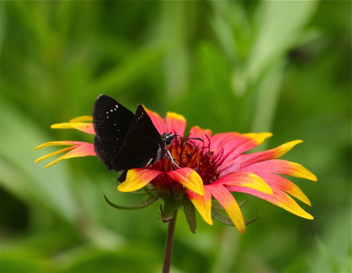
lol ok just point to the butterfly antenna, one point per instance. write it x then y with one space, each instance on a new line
196 138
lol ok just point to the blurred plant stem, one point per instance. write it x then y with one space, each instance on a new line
268 93
227 251
168 244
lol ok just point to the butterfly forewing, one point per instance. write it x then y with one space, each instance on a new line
143 125
111 121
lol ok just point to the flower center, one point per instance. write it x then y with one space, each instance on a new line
186 154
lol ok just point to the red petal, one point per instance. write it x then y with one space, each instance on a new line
233 144
175 123
189 178
79 149
283 184
278 198
156 119
245 179
84 149
204 134
248 159
280 166
228 202
202 204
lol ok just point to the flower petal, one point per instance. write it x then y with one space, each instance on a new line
278 198
79 149
230 145
77 123
175 123
55 143
245 179
258 138
137 179
82 118
280 166
228 202
53 153
204 134
202 204
283 184
189 178
156 119
248 159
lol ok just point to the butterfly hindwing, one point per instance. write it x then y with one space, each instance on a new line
111 121
135 153
143 144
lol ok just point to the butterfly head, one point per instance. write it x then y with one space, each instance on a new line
167 138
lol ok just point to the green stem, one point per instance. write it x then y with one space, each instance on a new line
168 244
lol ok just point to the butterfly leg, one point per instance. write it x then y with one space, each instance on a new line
150 161
169 156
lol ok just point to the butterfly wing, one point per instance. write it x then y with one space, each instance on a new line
143 144
111 121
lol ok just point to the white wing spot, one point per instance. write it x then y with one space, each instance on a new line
117 106
114 124
107 116
107 112
111 110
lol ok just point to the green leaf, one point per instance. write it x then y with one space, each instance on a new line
218 216
217 206
250 221
190 213
144 204
169 209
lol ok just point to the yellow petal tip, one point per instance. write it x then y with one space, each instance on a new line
302 172
284 148
258 137
82 118
175 116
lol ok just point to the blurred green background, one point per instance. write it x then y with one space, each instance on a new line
252 66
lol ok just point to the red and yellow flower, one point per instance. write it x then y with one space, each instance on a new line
206 171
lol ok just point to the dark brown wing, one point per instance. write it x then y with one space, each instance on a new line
143 143
111 121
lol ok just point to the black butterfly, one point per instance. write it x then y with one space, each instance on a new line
125 140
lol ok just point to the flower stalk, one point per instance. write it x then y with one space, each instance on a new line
169 243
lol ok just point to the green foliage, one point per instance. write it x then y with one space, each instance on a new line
279 66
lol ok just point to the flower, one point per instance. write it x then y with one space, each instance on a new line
205 171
